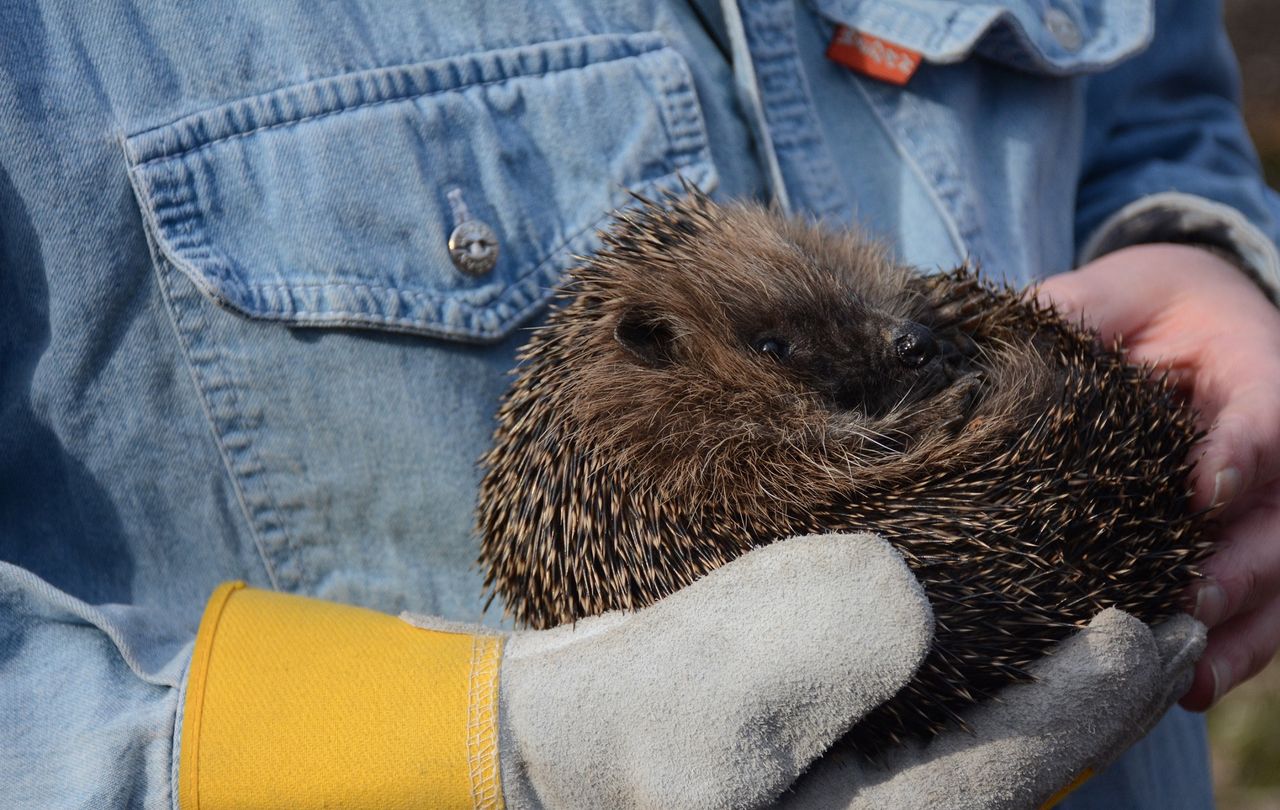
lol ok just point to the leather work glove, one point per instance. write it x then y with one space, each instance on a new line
719 695
1097 694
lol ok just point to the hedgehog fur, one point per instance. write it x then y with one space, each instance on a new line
719 378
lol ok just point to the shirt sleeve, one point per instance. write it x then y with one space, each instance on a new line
1167 157
277 700
89 697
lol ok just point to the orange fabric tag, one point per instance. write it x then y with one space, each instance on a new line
873 56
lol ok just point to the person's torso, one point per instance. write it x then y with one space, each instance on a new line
233 341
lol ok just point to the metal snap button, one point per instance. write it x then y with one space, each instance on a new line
473 246
1063 29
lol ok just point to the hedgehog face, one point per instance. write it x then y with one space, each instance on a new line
771 315
729 349
866 361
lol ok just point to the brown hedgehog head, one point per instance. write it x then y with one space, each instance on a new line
764 314
726 344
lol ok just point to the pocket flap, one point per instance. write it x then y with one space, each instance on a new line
332 202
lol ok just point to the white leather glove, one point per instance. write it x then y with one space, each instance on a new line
719 695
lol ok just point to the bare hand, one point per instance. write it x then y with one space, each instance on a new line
1188 310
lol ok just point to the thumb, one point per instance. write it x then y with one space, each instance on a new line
1098 295
721 694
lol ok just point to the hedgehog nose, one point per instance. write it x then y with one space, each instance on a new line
914 344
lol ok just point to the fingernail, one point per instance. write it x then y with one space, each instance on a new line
1226 486
1221 672
1211 604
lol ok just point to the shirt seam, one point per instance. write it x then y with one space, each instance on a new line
158 260
408 97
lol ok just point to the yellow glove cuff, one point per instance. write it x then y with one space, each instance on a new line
299 703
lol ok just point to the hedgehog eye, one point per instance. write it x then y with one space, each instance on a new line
776 347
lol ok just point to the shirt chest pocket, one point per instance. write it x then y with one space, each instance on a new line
1046 37
336 202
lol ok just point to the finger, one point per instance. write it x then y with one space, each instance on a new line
1152 337
1180 640
1242 448
1101 292
1076 297
1237 651
1244 570
1089 700
1115 661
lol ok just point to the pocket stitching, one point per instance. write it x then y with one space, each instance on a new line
640 45
394 100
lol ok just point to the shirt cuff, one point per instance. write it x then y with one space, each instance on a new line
297 702
1173 216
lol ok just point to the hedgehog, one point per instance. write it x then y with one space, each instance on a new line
717 378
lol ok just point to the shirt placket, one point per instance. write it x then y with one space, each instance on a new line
776 96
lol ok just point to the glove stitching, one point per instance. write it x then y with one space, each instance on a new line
482 723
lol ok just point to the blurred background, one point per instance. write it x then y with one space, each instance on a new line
1254 26
1245 727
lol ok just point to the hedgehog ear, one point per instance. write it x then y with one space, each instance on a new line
647 335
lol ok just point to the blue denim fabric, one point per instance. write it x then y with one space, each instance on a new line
233 345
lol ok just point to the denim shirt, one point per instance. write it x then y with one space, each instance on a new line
234 345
